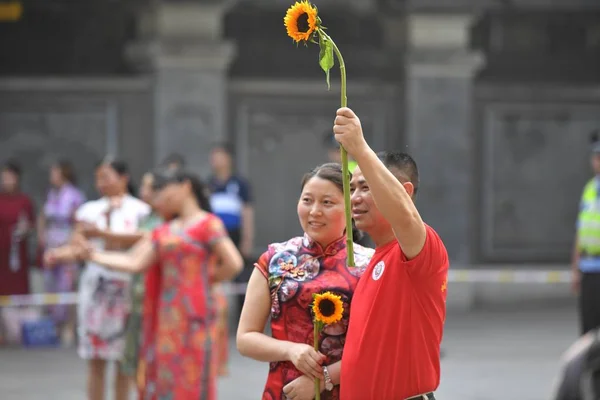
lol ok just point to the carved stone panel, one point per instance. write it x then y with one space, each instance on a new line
36 136
190 115
534 163
81 120
439 114
278 139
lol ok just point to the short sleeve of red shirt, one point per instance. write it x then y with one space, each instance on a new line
263 264
433 258
214 230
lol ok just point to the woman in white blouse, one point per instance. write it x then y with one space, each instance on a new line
110 223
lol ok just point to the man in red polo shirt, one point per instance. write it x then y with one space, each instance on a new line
392 349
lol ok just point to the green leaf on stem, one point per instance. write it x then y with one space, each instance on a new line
326 60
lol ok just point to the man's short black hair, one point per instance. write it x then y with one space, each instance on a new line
227 147
405 165
174 158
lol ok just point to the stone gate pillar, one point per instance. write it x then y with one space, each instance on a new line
188 59
439 77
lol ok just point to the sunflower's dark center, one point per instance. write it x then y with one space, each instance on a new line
326 307
303 23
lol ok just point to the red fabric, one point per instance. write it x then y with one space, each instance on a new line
295 270
392 348
11 207
178 357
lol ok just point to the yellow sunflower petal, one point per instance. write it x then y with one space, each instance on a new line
328 308
292 17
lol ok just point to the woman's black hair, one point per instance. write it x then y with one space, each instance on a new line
14 167
331 172
163 177
122 169
66 170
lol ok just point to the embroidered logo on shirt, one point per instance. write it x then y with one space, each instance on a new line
378 270
445 285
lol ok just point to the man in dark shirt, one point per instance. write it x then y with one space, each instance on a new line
231 200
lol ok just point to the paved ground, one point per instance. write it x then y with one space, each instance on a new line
491 355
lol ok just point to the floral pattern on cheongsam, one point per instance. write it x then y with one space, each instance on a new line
295 270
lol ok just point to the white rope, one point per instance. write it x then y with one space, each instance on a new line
460 276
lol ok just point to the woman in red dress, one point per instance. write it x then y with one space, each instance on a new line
16 221
178 359
282 285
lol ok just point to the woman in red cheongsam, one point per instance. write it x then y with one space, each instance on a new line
16 221
282 285
178 356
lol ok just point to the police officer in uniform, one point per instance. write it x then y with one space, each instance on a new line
586 252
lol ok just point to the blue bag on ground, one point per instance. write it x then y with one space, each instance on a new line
39 333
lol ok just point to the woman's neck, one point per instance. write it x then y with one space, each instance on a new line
189 210
325 245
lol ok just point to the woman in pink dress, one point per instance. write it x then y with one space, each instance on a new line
16 221
178 357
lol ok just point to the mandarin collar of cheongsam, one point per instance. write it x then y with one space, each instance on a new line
333 248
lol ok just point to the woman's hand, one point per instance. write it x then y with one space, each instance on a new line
50 258
306 360
301 388
89 230
81 247
70 253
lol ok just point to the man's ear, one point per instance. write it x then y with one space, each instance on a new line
409 187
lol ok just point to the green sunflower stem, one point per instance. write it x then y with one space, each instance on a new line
344 156
316 334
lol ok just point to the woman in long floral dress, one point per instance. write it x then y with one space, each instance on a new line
178 358
282 284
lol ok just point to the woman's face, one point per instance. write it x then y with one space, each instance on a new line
169 200
56 176
109 182
10 181
321 211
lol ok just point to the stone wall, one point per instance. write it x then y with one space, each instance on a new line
82 120
531 165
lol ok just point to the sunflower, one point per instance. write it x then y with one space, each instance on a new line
301 21
328 308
